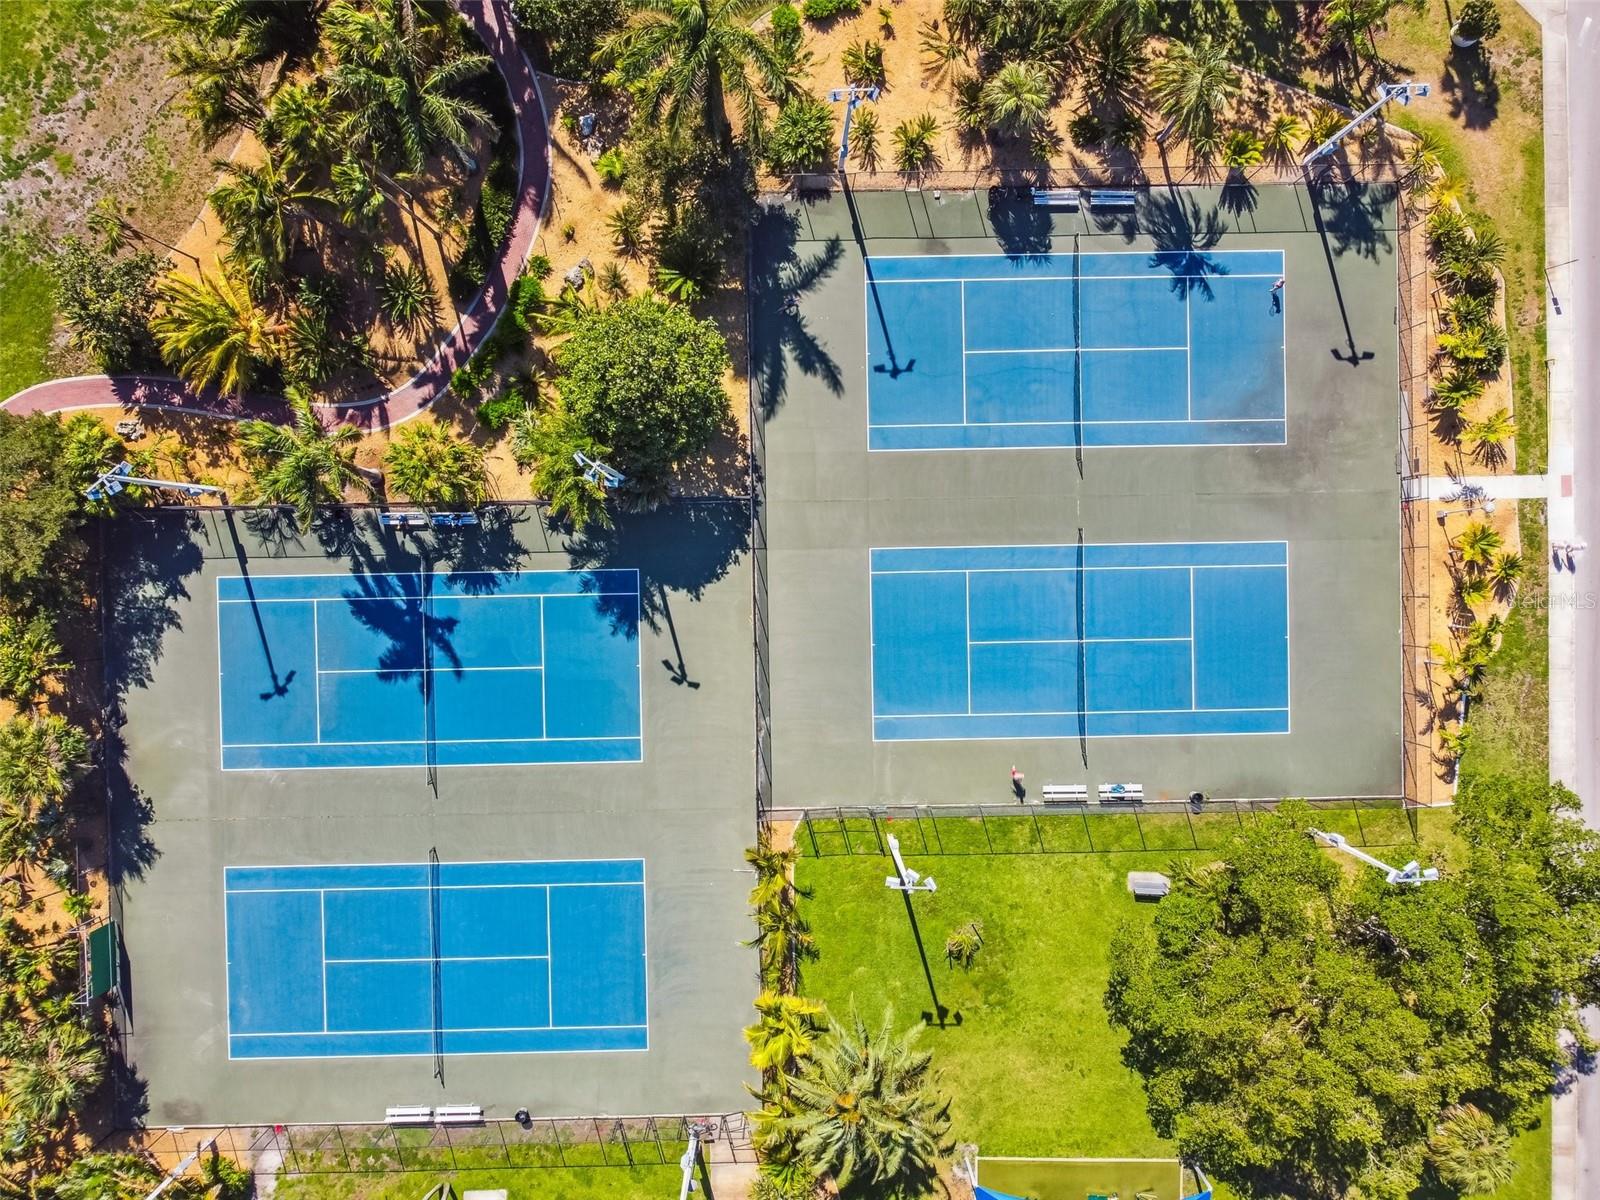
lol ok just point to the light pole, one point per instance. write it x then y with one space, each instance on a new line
596 471
1487 508
904 878
119 476
1413 873
1386 92
852 96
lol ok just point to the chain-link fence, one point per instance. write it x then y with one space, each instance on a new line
1075 828
1413 327
495 1144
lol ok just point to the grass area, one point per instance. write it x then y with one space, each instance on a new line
1511 724
1026 1051
27 313
1047 1180
581 1183
1531 1150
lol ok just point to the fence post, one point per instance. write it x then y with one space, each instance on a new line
1088 833
983 823
1139 825
1038 834
812 834
1355 807
878 830
844 830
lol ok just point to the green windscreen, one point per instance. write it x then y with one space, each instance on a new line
103 959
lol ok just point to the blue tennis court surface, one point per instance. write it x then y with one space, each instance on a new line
469 668
1069 641
1114 349
426 958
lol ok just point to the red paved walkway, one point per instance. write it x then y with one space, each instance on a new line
491 20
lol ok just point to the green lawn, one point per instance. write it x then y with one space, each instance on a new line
1532 1152
583 1183
1026 1051
27 310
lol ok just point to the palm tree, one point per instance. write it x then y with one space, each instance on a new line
262 209
1424 158
1017 97
1473 590
783 938
303 465
1489 436
1192 85
1456 389
107 1176
785 1032
1283 134
1464 668
1114 67
913 144
1478 543
1241 150
299 127
865 1106
1506 572
1482 639
41 757
772 870
212 332
435 468
546 439
685 60
396 101
405 294
1470 1151
222 84
357 193
52 1072
864 139
1469 264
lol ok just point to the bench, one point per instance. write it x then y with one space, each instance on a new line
1064 793
458 1114
454 519
409 1114
1111 198
1148 884
1056 198
1122 793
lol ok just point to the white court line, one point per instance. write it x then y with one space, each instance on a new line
442 887
964 353
1163 277
610 737
1070 570
1091 712
421 1029
872 258
1101 641
441 957
1078 350
1188 361
407 672
1130 421
322 916
549 960
544 702
401 599
966 584
1194 669
316 657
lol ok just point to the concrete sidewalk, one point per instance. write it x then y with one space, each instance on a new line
1494 487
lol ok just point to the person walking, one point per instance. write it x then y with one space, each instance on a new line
1277 295
1016 782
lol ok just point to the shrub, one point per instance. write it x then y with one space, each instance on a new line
1017 97
786 29
538 266
827 10
962 946
611 166
1241 149
863 63
802 137
433 466
497 412
644 378
405 294
463 383
972 114
29 653
106 302
627 225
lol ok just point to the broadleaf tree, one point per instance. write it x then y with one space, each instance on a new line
1304 1028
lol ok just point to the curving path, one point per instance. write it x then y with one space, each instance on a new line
491 20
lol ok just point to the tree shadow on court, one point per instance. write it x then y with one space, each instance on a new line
682 548
1022 227
147 560
1239 195
415 638
779 277
1351 216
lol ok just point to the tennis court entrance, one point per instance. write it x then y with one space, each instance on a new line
436 958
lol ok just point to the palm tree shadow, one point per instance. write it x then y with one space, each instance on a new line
683 547
779 277
416 638
1184 233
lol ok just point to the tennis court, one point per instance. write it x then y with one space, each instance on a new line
429 669
1080 641
436 958
1161 348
